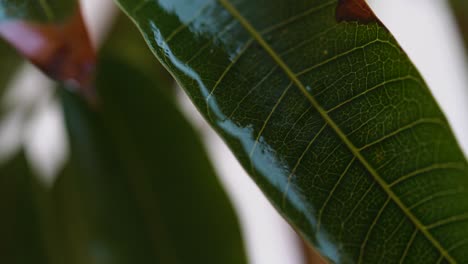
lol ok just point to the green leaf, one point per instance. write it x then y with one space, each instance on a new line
8 66
124 43
19 221
148 189
36 10
132 191
328 115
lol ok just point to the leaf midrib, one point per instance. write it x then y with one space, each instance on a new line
257 36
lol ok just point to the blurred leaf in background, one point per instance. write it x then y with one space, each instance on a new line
460 8
138 187
10 61
37 10
20 223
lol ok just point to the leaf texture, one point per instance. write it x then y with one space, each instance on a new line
330 118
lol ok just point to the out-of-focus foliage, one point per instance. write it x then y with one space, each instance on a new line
460 8
137 188
37 10
8 65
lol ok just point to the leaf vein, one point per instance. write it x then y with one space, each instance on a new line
422 121
293 171
380 85
371 228
435 196
226 71
269 117
297 17
319 217
251 91
450 220
408 246
338 56
255 34
433 167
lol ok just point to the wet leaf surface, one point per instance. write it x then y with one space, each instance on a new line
329 117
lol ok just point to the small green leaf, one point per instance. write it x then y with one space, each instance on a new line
328 115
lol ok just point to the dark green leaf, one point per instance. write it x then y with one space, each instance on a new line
328 115
8 66
138 187
146 184
125 43
36 10
19 228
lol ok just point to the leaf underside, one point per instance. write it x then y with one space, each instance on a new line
330 118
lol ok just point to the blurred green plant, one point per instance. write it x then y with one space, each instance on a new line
137 187
460 8
37 10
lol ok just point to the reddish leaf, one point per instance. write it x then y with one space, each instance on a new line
62 51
